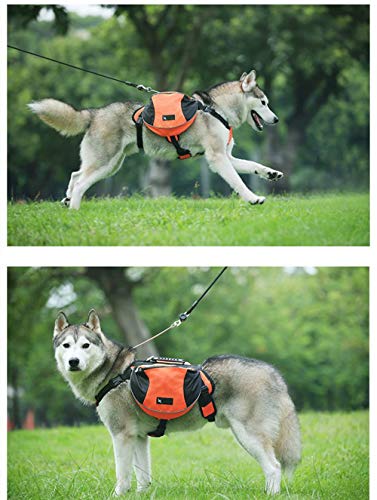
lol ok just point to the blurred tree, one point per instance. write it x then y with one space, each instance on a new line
310 48
118 286
21 17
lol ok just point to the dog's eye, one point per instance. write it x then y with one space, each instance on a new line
66 346
85 346
263 102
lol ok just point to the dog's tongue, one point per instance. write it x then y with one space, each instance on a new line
256 117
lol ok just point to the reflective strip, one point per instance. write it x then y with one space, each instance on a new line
207 409
230 136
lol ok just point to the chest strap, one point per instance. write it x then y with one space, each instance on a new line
113 384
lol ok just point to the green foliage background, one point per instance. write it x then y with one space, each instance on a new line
312 327
313 62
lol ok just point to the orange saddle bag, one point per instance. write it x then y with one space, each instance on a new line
168 390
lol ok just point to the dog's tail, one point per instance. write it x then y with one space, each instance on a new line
288 446
62 117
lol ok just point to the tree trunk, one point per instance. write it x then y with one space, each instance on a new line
282 154
205 179
118 290
158 178
16 417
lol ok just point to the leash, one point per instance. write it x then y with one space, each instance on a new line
183 316
125 82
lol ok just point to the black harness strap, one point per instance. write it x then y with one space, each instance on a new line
139 128
211 111
160 429
182 153
139 132
112 384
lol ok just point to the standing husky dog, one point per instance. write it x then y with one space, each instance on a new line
251 398
111 136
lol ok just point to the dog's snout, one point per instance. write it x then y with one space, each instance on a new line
74 362
276 119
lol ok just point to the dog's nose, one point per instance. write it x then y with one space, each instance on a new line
74 362
276 119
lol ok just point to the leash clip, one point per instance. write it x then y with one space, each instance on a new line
146 89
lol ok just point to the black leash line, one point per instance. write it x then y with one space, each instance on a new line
186 314
183 316
125 82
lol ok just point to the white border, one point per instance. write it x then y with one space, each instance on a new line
183 256
3 261
189 256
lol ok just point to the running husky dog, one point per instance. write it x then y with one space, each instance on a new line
250 395
110 136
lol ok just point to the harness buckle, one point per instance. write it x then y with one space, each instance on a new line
114 382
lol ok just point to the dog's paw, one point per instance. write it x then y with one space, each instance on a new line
143 487
65 201
274 175
121 489
259 200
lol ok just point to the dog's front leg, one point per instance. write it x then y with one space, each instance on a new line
220 163
124 448
252 167
142 464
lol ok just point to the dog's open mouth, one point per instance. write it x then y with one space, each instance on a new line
257 120
74 369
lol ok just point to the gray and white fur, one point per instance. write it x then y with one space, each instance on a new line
110 136
251 398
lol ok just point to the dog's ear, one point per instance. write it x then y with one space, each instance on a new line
93 321
249 81
61 323
242 77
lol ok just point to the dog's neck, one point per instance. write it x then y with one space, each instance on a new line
228 100
85 386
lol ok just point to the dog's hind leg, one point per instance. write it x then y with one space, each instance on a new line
142 464
124 448
74 177
90 175
260 447
251 167
220 163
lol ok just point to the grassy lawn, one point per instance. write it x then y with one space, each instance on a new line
78 463
328 219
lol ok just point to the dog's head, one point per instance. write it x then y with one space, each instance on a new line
79 349
258 111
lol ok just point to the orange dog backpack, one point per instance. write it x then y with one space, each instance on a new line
169 114
166 388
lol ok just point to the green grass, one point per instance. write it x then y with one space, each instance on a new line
327 219
68 463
